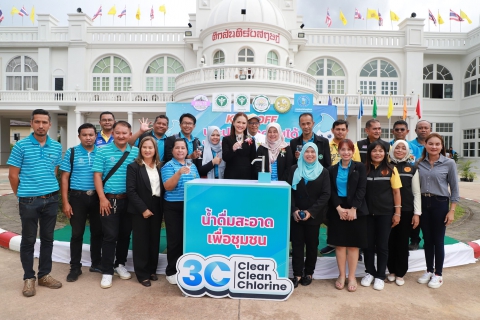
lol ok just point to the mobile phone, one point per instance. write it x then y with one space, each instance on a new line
301 214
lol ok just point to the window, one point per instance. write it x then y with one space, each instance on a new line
219 57
111 70
246 55
22 74
381 75
385 135
331 73
470 140
472 79
161 74
272 58
469 134
469 149
445 129
437 82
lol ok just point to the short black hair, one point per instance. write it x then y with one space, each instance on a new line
369 122
305 114
87 126
400 123
339 122
42 112
106 112
122 123
162 116
182 140
188 115
422 120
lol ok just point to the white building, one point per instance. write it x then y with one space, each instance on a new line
78 71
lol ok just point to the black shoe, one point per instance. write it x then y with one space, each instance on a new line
73 275
95 269
327 250
146 283
413 246
306 280
295 281
153 277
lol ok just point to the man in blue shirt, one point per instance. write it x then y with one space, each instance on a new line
33 167
105 136
400 132
160 126
187 124
80 200
116 221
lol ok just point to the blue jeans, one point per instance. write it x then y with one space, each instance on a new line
432 222
34 210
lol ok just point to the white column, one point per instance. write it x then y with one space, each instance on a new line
359 129
4 140
63 140
78 119
130 117
411 125
53 132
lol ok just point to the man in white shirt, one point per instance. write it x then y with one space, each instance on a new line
252 126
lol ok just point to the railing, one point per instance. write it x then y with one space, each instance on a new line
18 34
342 38
59 34
367 99
446 41
135 35
85 96
252 73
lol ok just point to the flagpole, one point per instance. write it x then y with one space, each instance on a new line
164 19
460 21
438 15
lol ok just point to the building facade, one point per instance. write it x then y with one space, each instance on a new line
79 70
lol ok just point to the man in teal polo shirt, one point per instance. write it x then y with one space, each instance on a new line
187 124
116 222
105 136
160 126
33 167
80 200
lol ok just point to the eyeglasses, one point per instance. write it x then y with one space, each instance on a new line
256 124
399 129
187 124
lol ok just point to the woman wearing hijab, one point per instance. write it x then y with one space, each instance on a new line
212 165
277 153
411 210
310 195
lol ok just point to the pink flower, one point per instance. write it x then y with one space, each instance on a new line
249 141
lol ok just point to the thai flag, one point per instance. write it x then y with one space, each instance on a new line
151 14
328 20
23 12
123 13
1 15
357 16
99 13
432 17
454 16
380 19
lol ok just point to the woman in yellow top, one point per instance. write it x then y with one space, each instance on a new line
384 206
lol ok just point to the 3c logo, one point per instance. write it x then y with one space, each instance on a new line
213 273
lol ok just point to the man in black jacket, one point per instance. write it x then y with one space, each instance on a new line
306 124
373 130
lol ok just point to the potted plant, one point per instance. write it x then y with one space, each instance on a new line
471 175
465 169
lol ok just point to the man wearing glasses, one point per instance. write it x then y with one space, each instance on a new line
400 132
187 124
252 126
104 137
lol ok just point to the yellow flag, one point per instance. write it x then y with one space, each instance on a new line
163 9
390 108
112 11
138 14
440 20
372 14
14 11
32 14
393 16
342 17
464 16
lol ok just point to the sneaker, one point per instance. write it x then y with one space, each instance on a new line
106 281
399 281
391 277
95 269
49 282
73 275
122 272
425 278
327 250
29 287
378 284
435 282
367 280
172 279
413 246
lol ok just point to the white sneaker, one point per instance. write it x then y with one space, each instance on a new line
399 281
435 282
378 284
172 279
425 278
106 281
367 280
391 277
122 272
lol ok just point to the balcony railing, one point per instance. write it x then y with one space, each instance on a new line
85 96
253 73
355 38
367 99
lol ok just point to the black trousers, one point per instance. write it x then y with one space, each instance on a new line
415 235
124 235
378 232
173 214
398 245
83 207
303 235
146 241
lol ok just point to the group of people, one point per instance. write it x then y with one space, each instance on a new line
370 194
